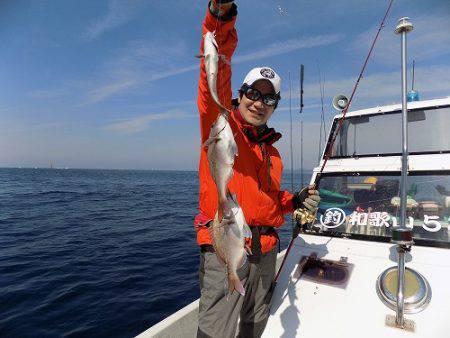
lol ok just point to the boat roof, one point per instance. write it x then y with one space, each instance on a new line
411 105
416 163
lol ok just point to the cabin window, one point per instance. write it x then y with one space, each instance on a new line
382 134
370 205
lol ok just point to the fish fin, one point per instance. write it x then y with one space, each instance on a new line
235 284
244 260
225 221
246 230
199 56
248 250
226 284
224 210
211 140
234 150
214 40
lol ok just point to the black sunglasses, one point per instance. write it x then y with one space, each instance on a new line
253 94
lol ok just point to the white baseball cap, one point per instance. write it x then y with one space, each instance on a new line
264 73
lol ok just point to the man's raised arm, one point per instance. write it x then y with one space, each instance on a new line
220 18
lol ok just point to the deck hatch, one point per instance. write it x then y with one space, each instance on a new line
323 271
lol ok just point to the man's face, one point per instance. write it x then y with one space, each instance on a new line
257 113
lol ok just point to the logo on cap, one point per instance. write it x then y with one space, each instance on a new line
267 73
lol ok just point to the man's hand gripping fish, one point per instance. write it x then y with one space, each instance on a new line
229 228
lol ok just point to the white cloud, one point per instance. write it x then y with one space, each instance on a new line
141 123
137 64
46 93
429 39
384 88
102 92
145 62
119 12
287 46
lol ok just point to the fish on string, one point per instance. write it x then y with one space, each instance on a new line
229 243
229 228
222 148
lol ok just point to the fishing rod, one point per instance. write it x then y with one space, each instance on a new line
330 144
292 151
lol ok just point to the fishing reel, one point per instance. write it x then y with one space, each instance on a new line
304 220
303 216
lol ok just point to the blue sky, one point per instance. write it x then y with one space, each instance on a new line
112 84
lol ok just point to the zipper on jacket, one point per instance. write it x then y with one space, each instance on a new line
264 155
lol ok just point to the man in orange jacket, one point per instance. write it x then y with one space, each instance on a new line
256 182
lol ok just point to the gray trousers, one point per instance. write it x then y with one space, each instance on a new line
218 316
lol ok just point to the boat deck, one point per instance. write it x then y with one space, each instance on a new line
304 308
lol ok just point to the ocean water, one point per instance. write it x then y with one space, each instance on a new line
96 253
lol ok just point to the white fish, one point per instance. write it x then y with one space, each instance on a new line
229 243
212 57
222 149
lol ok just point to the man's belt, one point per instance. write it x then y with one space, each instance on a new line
264 230
256 244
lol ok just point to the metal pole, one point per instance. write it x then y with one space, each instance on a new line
302 184
402 235
404 132
400 320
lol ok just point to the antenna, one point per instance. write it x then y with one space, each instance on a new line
302 70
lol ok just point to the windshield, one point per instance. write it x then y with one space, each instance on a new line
369 205
381 134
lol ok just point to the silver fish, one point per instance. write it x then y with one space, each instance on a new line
222 149
229 243
212 57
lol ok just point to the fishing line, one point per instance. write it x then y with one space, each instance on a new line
329 146
291 137
290 116
301 79
322 118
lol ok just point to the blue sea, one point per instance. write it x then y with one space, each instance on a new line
97 253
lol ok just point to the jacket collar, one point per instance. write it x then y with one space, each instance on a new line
262 134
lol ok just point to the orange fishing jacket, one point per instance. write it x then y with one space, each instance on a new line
258 166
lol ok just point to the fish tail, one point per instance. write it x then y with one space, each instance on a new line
235 284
